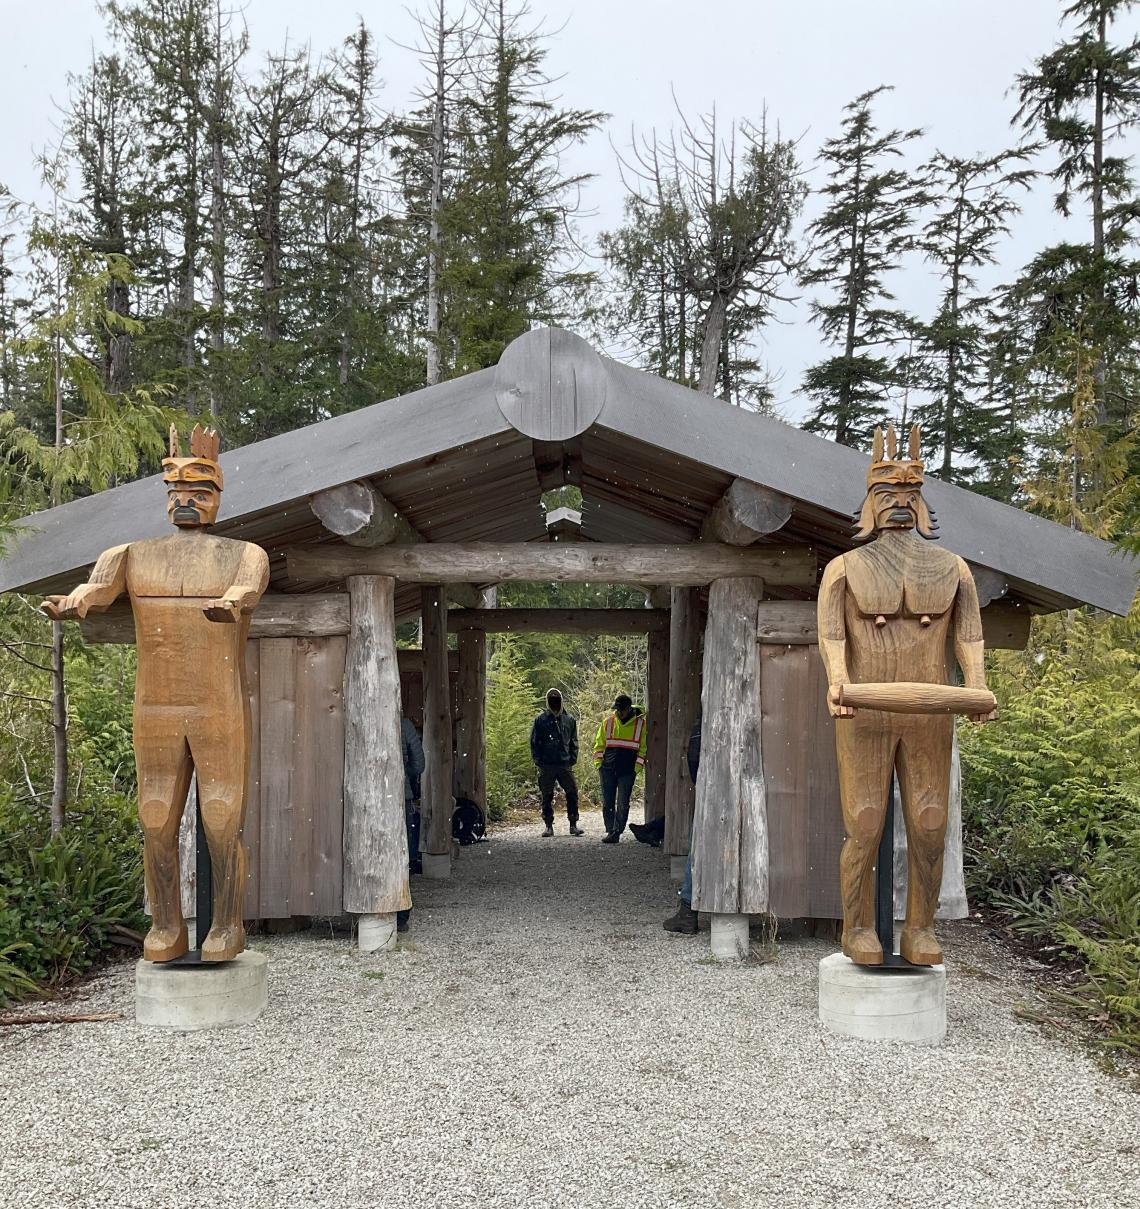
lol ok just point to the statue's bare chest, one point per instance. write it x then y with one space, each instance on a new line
904 579
202 565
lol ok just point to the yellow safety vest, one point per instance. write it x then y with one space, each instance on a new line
625 736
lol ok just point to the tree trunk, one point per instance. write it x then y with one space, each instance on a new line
436 202
710 346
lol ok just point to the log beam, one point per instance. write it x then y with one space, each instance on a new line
375 844
360 516
991 585
730 832
684 703
437 779
559 621
591 562
745 513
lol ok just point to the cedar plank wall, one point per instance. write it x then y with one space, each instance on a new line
294 813
805 824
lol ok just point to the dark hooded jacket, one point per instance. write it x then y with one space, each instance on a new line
554 737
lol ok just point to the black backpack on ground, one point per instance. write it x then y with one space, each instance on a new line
468 825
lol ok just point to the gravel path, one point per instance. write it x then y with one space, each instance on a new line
542 1042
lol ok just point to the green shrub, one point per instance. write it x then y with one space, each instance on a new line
1051 802
61 897
511 708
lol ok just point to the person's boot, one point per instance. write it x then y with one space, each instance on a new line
684 921
610 838
548 831
575 829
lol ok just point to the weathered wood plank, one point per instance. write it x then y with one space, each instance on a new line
278 726
1005 625
437 778
684 703
316 886
786 622
658 750
745 513
559 621
470 753
730 833
251 827
593 562
375 847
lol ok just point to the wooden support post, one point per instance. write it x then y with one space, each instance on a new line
684 702
730 833
375 842
657 755
471 775
437 779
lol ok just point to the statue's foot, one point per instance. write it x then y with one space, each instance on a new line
920 947
862 946
223 944
166 944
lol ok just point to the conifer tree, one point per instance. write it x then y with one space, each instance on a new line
508 250
1083 100
971 204
707 242
859 240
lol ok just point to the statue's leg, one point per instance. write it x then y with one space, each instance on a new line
924 785
865 748
221 765
164 770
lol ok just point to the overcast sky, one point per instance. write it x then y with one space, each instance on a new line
951 62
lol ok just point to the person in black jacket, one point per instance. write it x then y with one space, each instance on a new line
554 749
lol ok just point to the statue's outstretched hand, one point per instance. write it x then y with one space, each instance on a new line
65 608
834 708
222 609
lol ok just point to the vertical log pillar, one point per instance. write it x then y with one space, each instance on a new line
684 701
375 841
730 834
657 755
437 802
471 774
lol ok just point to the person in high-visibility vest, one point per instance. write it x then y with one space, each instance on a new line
619 751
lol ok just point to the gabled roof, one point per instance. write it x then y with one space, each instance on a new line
651 458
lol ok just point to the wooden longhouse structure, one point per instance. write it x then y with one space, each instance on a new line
427 501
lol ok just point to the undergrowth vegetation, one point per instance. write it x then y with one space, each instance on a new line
1051 798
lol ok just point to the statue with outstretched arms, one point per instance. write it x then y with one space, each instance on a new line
191 712
888 615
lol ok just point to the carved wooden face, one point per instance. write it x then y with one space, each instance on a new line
193 505
896 505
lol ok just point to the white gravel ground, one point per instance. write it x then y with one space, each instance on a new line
540 1041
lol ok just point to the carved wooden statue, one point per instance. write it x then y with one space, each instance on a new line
191 706
888 616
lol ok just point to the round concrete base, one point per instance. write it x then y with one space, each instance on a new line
209 995
436 865
882 1004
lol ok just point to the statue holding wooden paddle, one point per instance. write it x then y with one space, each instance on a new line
889 614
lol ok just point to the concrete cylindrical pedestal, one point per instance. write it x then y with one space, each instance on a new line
677 867
376 932
880 1004
729 936
436 865
206 995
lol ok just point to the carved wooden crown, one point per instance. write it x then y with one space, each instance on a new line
202 464
892 468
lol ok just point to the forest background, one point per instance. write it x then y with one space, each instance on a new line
265 241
